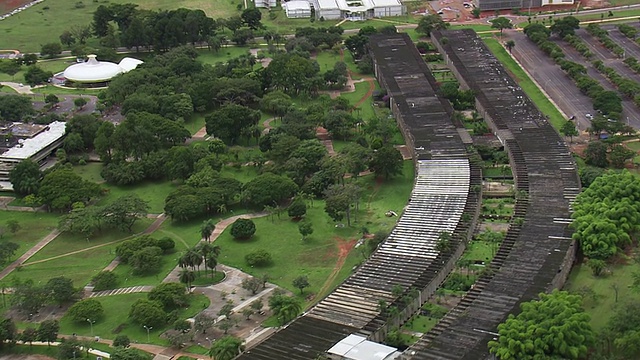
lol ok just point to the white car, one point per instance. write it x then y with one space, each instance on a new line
589 116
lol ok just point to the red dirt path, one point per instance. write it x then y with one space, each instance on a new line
8 5
344 248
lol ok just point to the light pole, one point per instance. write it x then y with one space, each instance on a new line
149 328
91 324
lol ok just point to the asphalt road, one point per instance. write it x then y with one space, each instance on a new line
552 79
604 54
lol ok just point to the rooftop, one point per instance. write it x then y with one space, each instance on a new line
93 70
28 147
355 347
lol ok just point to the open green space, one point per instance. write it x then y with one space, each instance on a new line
195 123
633 145
326 60
34 227
115 320
478 250
542 102
316 256
221 56
38 350
598 292
127 277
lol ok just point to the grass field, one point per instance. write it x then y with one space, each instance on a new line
34 227
316 256
601 306
115 321
127 278
223 55
633 145
529 87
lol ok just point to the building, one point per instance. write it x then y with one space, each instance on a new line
35 142
266 3
297 9
357 9
487 5
93 71
356 347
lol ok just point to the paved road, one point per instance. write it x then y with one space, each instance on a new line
609 58
629 46
552 79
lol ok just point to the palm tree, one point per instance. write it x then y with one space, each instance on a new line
510 45
207 229
226 348
212 263
187 277
207 251
185 261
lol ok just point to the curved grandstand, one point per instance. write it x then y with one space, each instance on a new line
408 257
537 253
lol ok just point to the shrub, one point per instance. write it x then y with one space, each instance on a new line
243 229
258 258
148 313
166 244
127 248
104 280
171 295
86 309
121 341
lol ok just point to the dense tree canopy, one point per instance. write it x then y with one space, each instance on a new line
25 177
606 213
268 189
15 107
555 326
62 187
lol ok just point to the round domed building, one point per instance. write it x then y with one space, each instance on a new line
96 73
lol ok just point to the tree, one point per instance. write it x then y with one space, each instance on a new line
247 312
125 211
430 23
560 325
301 282
10 67
569 129
252 284
48 331
86 309
202 322
187 277
80 102
444 242
13 226
171 295
285 308
297 209
69 349
62 187
104 280
121 341
251 18
27 297
276 102
67 39
206 229
608 102
15 107
226 348
258 258
36 76
501 23
25 177
619 155
387 162
597 266
268 189
305 229
146 260
596 154
51 49
29 335
230 121
565 26
7 250
148 313
60 289
8 332
243 229
51 100
510 44
81 32
122 353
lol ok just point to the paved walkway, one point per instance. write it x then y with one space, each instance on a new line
122 291
22 259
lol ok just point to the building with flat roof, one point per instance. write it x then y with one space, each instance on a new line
356 347
357 9
297 9
266 3
35 148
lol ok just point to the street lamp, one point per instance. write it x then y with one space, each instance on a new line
91 324
149 328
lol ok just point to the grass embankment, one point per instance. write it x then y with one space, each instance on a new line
542 102
33 228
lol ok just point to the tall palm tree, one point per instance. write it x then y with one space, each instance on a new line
208 251
187 277
207 229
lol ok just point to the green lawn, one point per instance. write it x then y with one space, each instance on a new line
316 256
602 306
195 123
34 227
50 89
29 29
365 110
634 145
127 278
90 171
529 87
327 59
115 321
154 192
480 251
221 56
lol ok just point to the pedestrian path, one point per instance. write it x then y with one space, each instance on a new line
22 259
122 291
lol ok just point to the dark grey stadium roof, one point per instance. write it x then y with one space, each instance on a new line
532 254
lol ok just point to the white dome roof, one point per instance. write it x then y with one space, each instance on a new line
92 71
127 64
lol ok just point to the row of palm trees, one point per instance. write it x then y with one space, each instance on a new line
206 254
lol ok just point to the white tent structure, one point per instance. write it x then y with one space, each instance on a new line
357 9
94 71
297 9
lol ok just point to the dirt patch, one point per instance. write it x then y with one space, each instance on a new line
8 5
344 248
499 227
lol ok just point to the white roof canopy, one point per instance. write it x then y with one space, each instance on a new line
93 70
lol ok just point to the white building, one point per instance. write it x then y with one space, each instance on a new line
94 71
265 3
36 148
357 9
355 347
297 9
